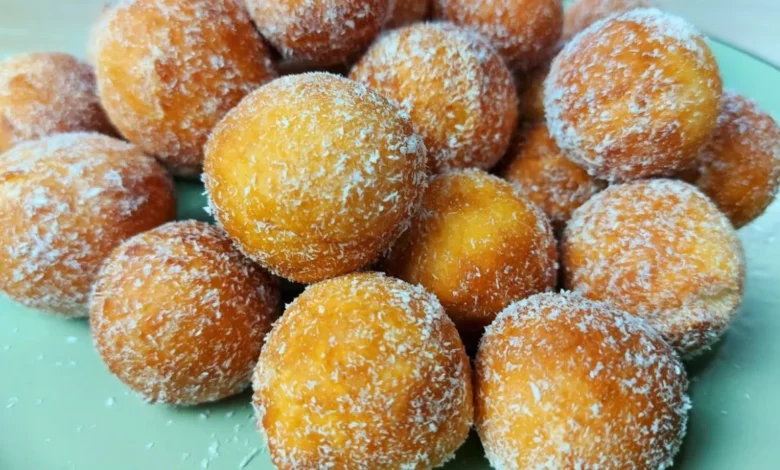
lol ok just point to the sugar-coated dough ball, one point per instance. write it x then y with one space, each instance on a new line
66 202
363 372
659 249
456 88
543 174
315 175
634 96
524 31
584 13
407 12
325 32
740 167
95 32
169 70
47 93
478 246
179 314
563 382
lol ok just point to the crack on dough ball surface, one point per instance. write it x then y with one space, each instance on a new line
457 90
478 245
315 175
66 202
659 249
363 372
179 314
633 96
564 382
47 93
169 70
523 31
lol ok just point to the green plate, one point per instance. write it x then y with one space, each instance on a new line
60 409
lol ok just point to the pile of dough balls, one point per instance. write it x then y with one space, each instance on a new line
555 191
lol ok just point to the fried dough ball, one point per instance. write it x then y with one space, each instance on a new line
324 32
66 202
169 70
315 175
543 174
659 249
407 12
478 246
740 167
523 31
564 382
363 372
634 96
95 33
47 93
584 13
457 90
179 315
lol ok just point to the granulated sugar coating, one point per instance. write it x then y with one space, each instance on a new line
47 93
659 249
740 167
314 175
456 88
169 70
407 12
478 245
95 32
633 96
563 382
179 315
584 13
363 372
543 174
325 32
66 202
524 31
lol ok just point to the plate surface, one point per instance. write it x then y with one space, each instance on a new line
60 409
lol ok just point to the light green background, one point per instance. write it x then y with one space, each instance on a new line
60 409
